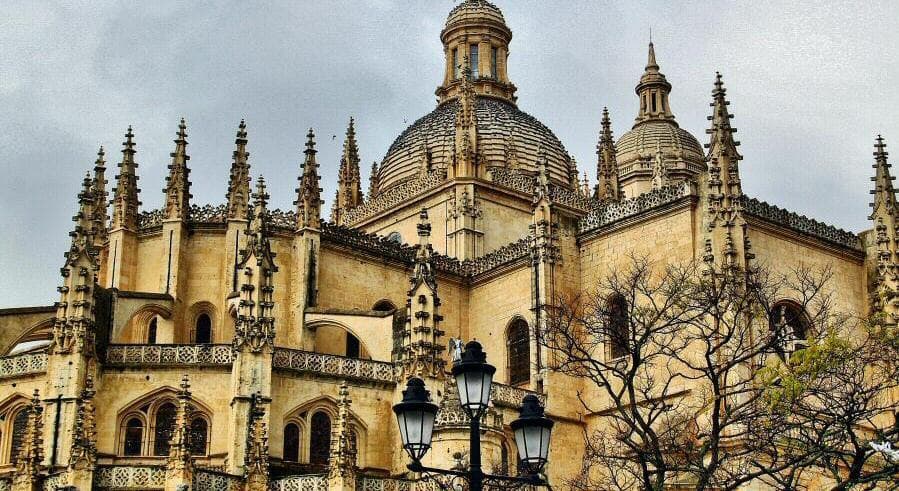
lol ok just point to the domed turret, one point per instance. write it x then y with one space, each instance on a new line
656 151
477 124
476 34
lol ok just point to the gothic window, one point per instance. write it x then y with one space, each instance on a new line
19 425
654 102
618 331
504 459
199 436
456 64
354 446
291 443
134 437
151 331
352 346
162 433
319 439
519 351
203 333
494 53
791 325
473 61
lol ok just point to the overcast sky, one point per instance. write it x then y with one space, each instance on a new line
810 84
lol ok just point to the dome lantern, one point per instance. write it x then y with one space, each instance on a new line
476 35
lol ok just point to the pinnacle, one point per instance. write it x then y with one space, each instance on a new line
241 132
651 61
100 157
880 148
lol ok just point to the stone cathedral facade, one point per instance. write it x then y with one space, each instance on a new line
235 346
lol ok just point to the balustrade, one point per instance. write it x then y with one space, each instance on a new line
23 364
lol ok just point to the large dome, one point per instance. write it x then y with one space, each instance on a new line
502 131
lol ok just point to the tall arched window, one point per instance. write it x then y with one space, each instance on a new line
291 443
519 351
134 437
165 425
199 436
354 446
319 439
792 325
352 346
503 459
618 331
203 333
19 424
151 331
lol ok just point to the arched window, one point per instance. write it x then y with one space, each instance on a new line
319 439
19 425
503 459
791 325
618 331
199 435
291 443
134 437
354 446
473 61
151 331
519 351
352 346
203 333
165 425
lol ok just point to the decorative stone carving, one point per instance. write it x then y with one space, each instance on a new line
334 366
22 364
393 196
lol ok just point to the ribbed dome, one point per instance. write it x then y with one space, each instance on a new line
474 10
502 129
647 138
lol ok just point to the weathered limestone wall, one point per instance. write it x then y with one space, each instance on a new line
18 322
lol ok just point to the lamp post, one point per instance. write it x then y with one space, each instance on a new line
474 379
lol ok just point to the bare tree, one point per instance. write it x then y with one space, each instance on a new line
679 364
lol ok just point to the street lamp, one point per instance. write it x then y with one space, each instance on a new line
474 380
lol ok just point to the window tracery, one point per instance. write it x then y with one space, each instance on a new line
519 352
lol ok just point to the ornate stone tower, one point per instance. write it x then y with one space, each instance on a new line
122 265
656 151
254 334
307 242
606 164
349 179
885 215
727 242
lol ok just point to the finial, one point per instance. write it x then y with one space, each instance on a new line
880 148
100 156
182 130
310 141
185 383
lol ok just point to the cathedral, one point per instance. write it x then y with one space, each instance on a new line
235 346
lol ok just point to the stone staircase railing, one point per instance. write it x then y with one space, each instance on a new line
22 364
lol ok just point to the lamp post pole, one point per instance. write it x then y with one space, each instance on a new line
474 380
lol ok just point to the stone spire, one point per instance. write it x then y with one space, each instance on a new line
74 322
239 181
349 179
421 341
309 202
606 164
727 241
125 200
342 462
101 206
574 175
30 454
653 90
255 326
885 215
373 186
84 432
177 188
179 463
466 136
257 470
